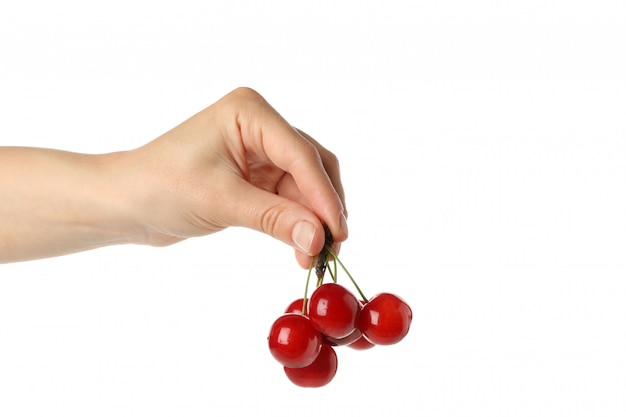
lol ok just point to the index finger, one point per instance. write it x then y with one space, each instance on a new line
293 151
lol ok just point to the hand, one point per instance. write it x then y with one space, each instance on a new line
236 163
239 163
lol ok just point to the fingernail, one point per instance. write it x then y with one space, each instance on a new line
302 235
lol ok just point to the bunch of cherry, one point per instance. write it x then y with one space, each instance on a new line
304 338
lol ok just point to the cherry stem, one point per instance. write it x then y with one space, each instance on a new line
335 257
306 287
333 274
320 278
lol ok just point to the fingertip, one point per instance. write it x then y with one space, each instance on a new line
343 228
340 229
303 260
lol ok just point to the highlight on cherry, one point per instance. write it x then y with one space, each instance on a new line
305 337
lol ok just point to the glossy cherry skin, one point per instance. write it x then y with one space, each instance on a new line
352 337
354 340
333 310
385 319
295 306
361 344
317 374
293 341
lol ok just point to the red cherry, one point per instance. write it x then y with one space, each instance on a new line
385 319
352 337
334 310
317 374
361 344
295 307
293 341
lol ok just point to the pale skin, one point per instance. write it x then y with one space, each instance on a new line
235 163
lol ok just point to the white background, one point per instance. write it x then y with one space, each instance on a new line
483 152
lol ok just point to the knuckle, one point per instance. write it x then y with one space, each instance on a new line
270 220
244 103
310 151
246 94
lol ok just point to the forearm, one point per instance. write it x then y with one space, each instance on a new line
54 203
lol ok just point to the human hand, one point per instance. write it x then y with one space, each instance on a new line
238 163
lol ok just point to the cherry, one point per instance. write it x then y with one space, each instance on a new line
358 342
361 344
347 340
333 310
317 374
304 337
295 306
385 319
293 341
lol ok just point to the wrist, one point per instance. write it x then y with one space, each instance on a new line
142 189
115 197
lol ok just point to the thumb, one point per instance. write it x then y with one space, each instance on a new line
284 219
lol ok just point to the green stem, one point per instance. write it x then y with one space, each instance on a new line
320 281
330 250
333 275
